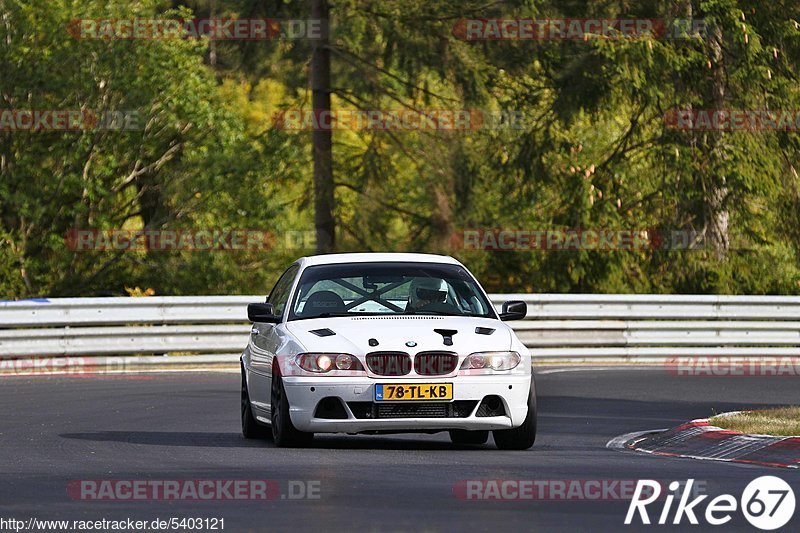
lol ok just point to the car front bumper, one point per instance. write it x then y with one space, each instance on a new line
305 394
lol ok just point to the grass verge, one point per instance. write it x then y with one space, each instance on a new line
783 421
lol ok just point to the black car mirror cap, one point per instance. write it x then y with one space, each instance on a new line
262 313
514 310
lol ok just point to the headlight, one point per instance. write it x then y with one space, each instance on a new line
325 362
491 361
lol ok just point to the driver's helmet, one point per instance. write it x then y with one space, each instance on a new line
425 291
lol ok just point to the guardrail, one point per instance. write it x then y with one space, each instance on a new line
557 326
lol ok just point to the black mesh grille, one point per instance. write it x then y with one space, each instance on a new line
426 410
361 409
491 406
389 363
456 409
435 363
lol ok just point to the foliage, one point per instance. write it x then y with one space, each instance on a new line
594 151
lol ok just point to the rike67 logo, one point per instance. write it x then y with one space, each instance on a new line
767 502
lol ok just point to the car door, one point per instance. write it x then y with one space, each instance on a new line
265 340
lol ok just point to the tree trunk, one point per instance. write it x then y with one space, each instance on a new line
321 139
708 213
715 215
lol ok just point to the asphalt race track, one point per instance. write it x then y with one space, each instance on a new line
167 426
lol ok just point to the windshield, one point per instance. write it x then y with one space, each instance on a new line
352 289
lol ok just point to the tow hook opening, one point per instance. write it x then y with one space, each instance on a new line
330 407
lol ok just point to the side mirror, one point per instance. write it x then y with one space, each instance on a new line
514 310
262 313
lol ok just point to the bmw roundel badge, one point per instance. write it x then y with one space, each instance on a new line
411 344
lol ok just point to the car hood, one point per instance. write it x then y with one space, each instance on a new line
352 334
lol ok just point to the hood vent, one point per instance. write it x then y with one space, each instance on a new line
447 335
324 332
484 331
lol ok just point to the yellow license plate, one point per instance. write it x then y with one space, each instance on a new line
413 391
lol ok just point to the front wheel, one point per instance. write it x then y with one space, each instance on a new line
284 434
522 437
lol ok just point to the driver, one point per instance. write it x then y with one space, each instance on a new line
425 291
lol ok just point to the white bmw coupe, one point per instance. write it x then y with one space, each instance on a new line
385 343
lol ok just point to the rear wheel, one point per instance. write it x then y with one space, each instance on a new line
522 437
284 433
251 428
463 436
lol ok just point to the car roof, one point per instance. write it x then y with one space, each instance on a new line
373 257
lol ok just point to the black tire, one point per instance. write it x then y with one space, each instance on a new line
284 434
463 436
251 428
522 437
